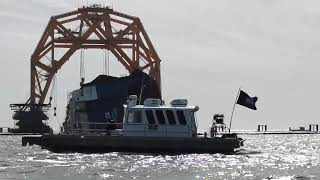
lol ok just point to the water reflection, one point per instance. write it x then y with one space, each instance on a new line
263 157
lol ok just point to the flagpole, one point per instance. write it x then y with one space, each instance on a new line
234 105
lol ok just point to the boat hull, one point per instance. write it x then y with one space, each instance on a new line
163 145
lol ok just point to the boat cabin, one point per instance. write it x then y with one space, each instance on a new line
157 120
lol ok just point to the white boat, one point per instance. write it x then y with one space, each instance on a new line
151 128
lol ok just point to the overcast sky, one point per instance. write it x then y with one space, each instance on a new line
208 50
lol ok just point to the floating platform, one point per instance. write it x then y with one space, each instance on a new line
104 143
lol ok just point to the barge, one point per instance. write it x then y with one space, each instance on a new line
149 128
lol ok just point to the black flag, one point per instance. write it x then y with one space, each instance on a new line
245 100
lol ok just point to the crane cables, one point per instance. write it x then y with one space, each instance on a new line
106 62
82 64
54 97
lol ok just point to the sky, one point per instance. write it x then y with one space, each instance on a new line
208 48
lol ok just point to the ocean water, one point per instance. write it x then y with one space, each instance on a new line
262 157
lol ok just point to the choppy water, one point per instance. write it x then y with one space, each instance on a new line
263 157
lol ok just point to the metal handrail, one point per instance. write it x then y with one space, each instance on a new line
97 123
145 125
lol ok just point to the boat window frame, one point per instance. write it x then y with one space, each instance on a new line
170 119
181 117
148 115
132 117
137 116
162 119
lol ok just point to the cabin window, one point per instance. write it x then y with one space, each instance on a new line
181 117
170 117
160 117
130 117
150 117
134 117
137 117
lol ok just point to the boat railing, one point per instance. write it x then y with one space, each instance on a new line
108 128
90 127
218 128
149 128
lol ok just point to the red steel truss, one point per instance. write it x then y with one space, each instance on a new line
90 28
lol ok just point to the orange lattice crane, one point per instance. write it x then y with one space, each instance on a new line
92 27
